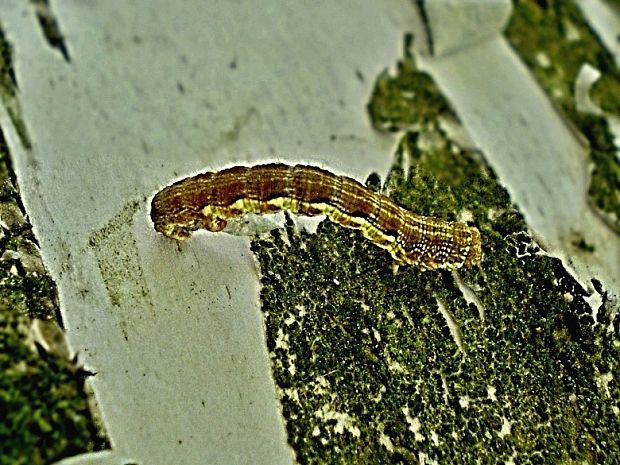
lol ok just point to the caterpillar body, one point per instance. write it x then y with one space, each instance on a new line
208 200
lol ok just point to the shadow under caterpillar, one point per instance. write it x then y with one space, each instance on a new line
209 200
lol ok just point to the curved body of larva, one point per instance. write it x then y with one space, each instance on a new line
209 200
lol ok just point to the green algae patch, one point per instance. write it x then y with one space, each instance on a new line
502 363
554 41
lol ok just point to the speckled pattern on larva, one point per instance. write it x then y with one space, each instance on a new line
209 200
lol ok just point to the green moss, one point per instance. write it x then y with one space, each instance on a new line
45 414
366 364
606 94
405 98
554 41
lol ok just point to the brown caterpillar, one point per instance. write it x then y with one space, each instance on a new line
209 200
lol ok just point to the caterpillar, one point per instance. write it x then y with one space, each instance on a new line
208 200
